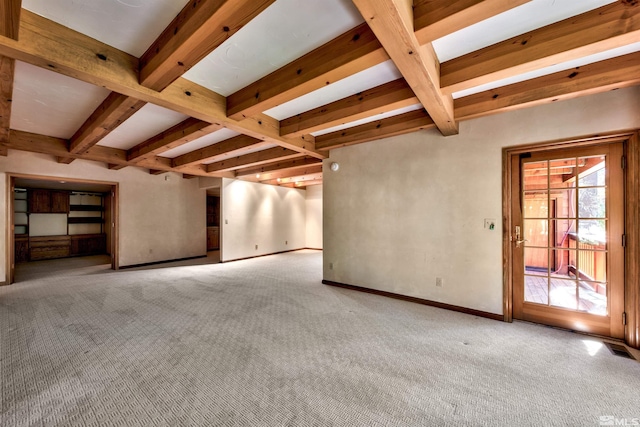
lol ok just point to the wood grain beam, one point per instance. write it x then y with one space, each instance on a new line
46 44
288 175
296 180
110 114
180 134
347 54
196 31
396 125
592 32
7 69
113 157
381 99
280 166
253 159
392 23
232 147
10 11
615 73
437 18
4 151
156 172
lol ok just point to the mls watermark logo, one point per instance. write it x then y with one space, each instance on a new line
610 420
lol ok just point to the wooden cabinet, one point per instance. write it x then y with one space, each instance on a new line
88 244
48 247
39 201
21 249
47 201
213 238
213 211
59 202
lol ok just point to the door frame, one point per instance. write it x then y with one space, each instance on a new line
631 140
10 240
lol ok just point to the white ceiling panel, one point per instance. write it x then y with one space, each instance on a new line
51 104
282 33
199 143
368 119
550 70
129 25
359 82
149 121
519 20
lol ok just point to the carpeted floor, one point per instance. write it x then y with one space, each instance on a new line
262 342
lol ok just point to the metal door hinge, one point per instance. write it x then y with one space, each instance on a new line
624 240
623 162
624 318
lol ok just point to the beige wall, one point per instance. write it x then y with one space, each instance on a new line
314 217
257 214
161 217
402 211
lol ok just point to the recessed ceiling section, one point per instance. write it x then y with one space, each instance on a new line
205 141
359 82
48 103
149 121
128 25
613 53
519 20
369 119
285 31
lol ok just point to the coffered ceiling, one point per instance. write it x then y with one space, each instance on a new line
262 90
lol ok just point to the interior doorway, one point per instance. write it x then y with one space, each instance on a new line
565 236
51 218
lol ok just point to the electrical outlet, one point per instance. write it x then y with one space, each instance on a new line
286 242
256 247
330 266
226 221
439 282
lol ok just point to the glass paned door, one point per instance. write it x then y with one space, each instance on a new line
568 253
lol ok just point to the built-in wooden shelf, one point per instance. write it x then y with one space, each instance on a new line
85 220
86 208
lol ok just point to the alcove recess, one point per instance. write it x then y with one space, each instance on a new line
58 224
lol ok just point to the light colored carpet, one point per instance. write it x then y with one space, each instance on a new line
262 342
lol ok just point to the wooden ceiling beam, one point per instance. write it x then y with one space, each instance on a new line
392 23
110 114
180 134
232 147
391 126
49 45
348 54
287 175
314 176
280 166
381 99
10 11
253 159
615 73
113 157
196 31
437 18
599 30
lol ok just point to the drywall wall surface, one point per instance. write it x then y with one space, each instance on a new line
406 210
162 217
259 219
314 217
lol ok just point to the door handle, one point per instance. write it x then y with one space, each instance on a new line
519 239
